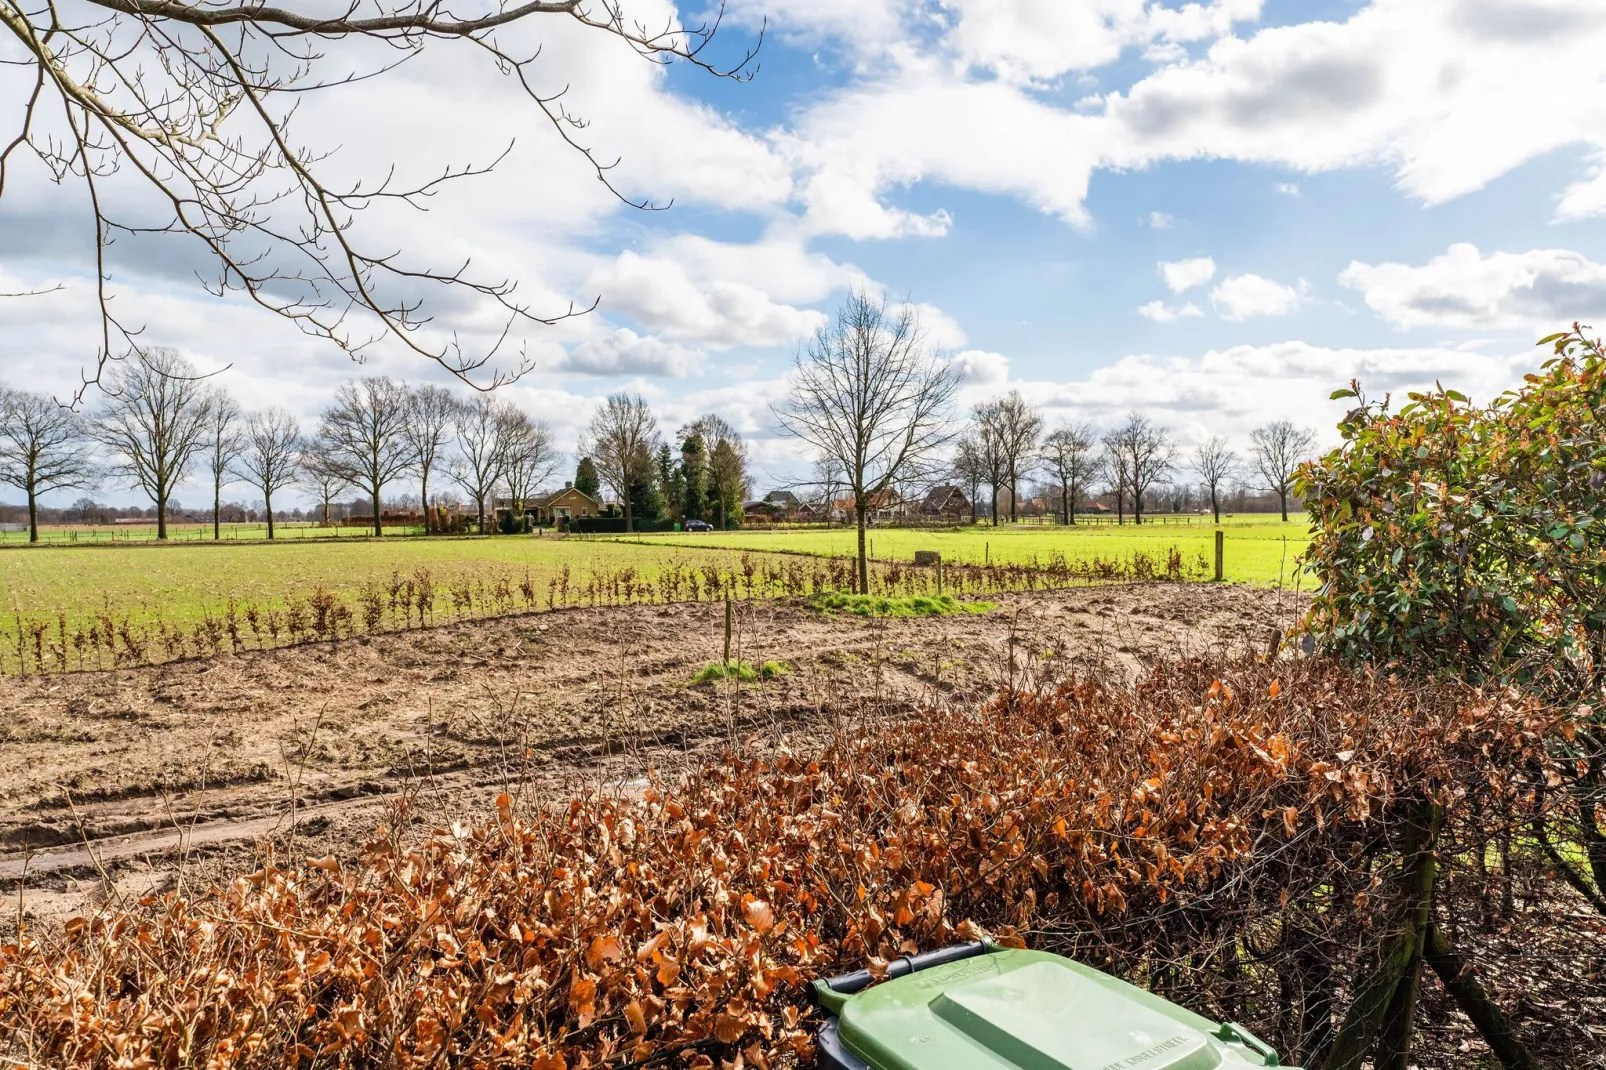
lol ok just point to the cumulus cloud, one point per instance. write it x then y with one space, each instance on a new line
623 352
1422 87
1465 289
1160 312
663 297
1240 297
982 368
1183 275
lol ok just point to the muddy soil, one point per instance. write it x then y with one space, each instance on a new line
116 783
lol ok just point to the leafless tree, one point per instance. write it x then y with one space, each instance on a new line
528 456
988 436
1070 453
431 412
727 463
154 423
867 393
223 445
1216 466
622 440
1016 427
1278 450
320 473
970 467
187 110
271 455
481 427
43 447
363 432
1143 456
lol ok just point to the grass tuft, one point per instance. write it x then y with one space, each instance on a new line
920 605
740 671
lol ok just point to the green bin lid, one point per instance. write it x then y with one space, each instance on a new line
1029 1010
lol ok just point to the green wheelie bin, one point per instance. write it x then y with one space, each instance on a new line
979 1006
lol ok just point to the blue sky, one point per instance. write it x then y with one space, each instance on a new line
1404 190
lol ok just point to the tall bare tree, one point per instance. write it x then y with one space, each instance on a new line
43 447
363 432
178 118
727 463
623 440
320 473
431 412
154 423
481 428
970 467
271 455
1278 450
867 393
224 442
987 433
1070 452
1016 428
1144 456
1216 465
529 456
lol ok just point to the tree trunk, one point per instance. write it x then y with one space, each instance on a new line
267 500
864 561
379 530
1013 497
1065 502
423 491
217 510
1282 496
33 515
1463 986
161 514
1383 1005
630 520
480 504
1215 506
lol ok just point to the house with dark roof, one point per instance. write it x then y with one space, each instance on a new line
946 502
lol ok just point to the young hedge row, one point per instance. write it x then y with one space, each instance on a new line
1160 831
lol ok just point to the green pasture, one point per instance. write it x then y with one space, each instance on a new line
1257 549
189 532
181 582
185 580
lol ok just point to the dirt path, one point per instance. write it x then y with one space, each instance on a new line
110 780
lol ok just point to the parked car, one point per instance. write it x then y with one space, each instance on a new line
699 525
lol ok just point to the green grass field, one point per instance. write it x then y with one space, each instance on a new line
1257 550
121 534
188 581
182 582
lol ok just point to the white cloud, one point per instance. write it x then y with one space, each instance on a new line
623 352
1230 391
1465 289
982 368
1160 221
1183 275
1240 297
1422 87
1288 189
663 297
1160 312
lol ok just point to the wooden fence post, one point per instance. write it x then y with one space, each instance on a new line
1221 537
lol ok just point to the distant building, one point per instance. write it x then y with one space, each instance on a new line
556 507
946 502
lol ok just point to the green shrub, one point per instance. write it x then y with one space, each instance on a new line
1449 536
920 605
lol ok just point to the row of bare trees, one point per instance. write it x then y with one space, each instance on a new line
161 423
1004 443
